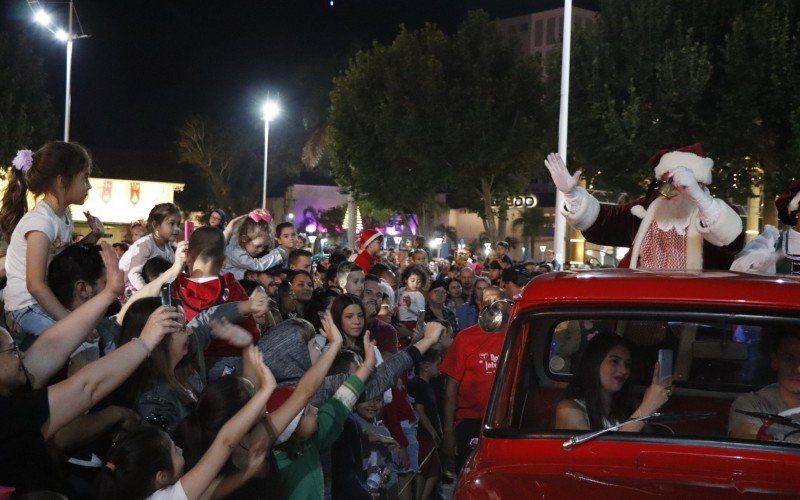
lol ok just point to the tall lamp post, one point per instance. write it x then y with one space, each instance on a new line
42 17
269 110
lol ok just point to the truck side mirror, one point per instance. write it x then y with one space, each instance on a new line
494 316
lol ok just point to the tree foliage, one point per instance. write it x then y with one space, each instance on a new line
656 74
461 114
27 119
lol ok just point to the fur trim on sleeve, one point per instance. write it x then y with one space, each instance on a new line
726 229
638 211
586 214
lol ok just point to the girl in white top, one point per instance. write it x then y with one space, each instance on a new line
147 464
164 224
59 172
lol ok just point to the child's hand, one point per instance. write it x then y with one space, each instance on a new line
406 300
98 230
115 278
329 329
180 255
234 335
266 381
259 303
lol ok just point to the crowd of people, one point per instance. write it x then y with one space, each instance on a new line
235 364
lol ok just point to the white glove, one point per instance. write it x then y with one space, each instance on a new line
759 255
685 182
564 182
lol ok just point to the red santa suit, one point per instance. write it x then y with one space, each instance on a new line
664 234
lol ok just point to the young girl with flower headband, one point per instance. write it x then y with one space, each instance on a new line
59 173
164 223
252 235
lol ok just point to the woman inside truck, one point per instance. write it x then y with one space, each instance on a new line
599 394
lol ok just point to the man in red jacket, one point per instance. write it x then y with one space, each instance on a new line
370 245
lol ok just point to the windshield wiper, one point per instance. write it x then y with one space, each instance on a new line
653 417
778 419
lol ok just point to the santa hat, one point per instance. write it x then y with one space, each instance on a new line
368 236
276 400
691 157
788 204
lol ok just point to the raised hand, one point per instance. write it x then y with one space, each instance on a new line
369 352
115 278
685 182
329 329
234 335
266 380
564 182
180 254
162 322
98 230
433 331
657 394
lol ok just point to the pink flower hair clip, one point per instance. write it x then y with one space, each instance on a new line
24 160
260 215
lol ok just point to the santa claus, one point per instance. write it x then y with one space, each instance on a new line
678 225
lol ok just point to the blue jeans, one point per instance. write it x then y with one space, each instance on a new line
410 431
28 323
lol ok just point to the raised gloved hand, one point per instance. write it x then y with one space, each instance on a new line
685 182
564 182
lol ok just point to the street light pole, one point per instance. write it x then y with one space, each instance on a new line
269 111
266 149
68 92
42 17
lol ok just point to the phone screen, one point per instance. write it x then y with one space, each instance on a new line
166 294
188 229
664 364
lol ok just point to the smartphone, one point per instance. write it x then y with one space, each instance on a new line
421 321
188 229
166 294
664 364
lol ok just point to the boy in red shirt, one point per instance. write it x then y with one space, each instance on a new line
205 288
370 244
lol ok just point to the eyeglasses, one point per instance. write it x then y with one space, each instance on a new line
13 349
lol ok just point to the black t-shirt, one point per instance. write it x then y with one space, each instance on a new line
424 395
24 460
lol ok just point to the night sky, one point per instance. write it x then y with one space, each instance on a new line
150 64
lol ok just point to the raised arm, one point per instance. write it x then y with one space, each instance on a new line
196 481
93 382
52 349
153 288
278 420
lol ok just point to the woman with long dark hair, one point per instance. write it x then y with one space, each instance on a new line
599 394
349 317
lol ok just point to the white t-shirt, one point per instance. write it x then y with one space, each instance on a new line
58 230
137 255
174 492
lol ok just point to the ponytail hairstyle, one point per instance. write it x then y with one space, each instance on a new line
161 212
132 464
37 172
256 225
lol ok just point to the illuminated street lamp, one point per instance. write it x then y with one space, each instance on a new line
269 110
42 17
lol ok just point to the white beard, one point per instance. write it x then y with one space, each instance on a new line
675 213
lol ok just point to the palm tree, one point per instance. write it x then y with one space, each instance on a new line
532 221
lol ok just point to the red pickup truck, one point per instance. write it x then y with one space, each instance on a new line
718 328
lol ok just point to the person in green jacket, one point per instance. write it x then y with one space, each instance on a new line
315 430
